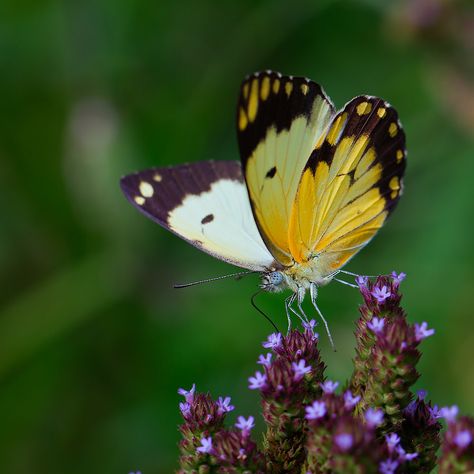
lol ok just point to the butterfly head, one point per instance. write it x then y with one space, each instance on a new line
273 282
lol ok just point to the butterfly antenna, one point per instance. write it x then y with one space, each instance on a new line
208 280
252 301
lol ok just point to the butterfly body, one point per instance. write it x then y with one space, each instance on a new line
313 187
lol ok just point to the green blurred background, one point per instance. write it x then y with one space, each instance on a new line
94 342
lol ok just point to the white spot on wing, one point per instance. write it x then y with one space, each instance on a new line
146 189
139 200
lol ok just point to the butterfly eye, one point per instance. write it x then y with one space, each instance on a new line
272 281
275 278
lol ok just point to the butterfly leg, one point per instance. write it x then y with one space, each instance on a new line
346 283
357 275
288 302
349 273
313 291
301 293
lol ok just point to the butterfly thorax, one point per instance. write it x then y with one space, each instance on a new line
295 277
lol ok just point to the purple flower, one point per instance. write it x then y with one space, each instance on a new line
381 294
422 331
421 394
349 400
388 467
138 472
392 441
185 408
329 386
463 439
435 412
410 409
265 360
310 326
404 456
188 394
245 425
449 413
273 341
257 382
376 324
316 410
206 445
362 281
398 278
344 441
374 417
224 406
300 369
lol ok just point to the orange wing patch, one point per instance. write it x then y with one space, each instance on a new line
350 184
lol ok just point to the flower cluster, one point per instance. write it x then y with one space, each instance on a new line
387 350
371 424
206 443
458 444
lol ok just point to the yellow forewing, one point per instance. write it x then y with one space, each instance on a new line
280 120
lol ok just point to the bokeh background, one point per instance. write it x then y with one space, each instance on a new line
94 342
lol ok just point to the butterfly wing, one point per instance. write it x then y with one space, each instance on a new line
350 184
280 119
205 203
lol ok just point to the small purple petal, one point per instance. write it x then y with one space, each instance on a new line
206 445
388 467
421 394
265 360
435 413
398 278
374 417
404 456
410 456
381 294
257 382
329 386
316 410
349 400
411 407
310 326
344 441
362 281
188 394
422 331
273 341
185 408
245 425
223 405
463 439
392 441
449 413
242 454
376 324
300 369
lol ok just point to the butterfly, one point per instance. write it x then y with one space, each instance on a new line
313 186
